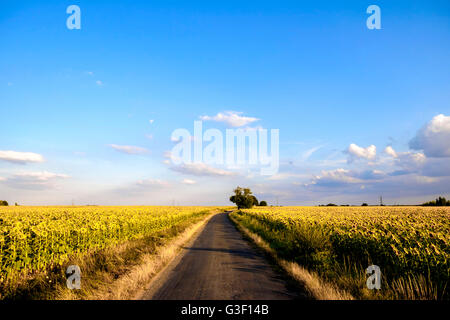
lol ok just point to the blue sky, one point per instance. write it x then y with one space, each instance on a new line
311 69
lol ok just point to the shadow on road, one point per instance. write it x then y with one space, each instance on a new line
241 253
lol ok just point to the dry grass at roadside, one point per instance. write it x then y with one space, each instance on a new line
135 277
318 288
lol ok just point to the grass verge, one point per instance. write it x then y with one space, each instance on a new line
316 287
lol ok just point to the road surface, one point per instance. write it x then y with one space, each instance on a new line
220 264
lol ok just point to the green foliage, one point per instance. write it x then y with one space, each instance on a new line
263 204
243 198
439 202
364 204
4 203
255 201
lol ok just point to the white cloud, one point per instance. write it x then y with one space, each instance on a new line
40 176
357 152
333 178
188 181
20 157
151 121
338 177
409 161
201 169
434 137
99 82
34 180
390 151
128 149
149 136
416 158
231 118
90 73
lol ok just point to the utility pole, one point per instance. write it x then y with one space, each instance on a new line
381 200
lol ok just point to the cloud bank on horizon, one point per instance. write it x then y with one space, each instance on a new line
423 170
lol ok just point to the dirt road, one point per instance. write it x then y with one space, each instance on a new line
220 264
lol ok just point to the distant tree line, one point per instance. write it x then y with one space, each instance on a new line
342 205
4 203
244 199
439 202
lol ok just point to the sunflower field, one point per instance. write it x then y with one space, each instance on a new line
411 245
35 238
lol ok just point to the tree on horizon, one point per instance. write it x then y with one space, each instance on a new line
243 198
